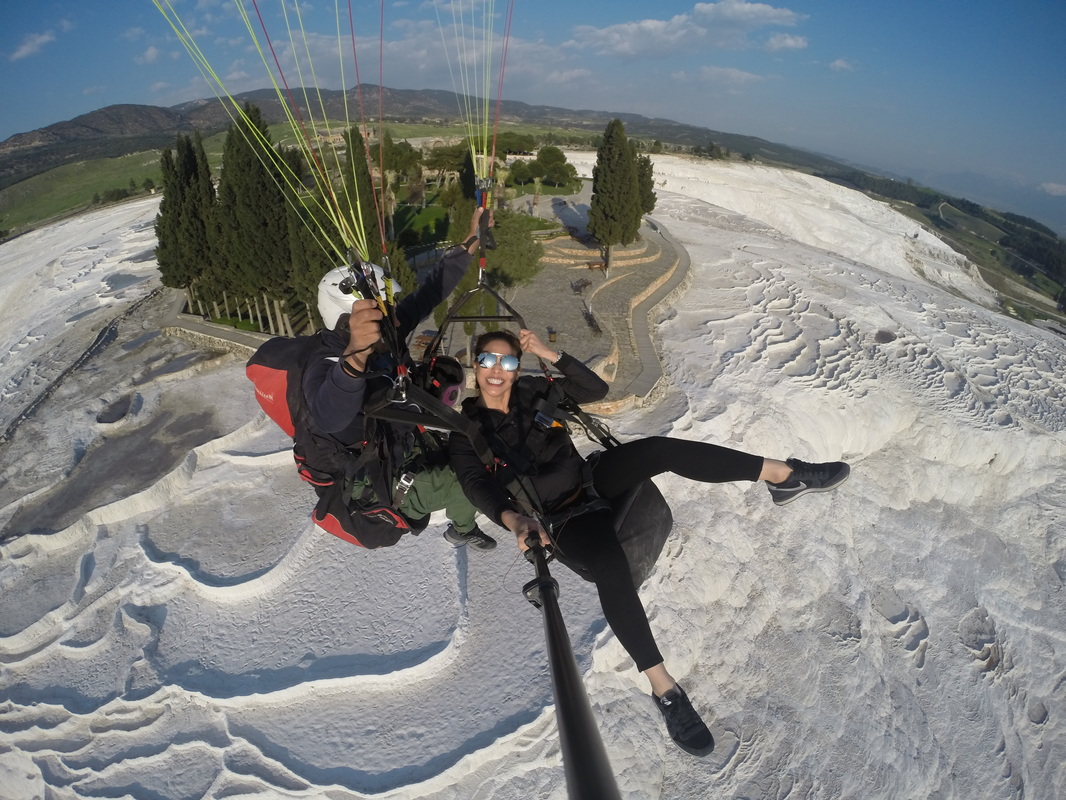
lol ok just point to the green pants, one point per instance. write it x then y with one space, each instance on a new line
437 488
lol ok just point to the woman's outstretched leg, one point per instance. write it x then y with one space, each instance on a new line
588 541
623 467
620 468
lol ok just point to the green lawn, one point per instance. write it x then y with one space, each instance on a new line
70 188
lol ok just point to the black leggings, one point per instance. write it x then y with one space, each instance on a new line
589 540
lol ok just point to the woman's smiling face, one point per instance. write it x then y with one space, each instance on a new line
495 382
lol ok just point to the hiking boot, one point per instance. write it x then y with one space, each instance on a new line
808 478
476 538
684 723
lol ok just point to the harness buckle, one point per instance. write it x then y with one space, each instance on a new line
403 486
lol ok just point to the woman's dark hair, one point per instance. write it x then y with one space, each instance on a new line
500 335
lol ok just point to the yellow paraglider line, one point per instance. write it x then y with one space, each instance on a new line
343 208
470 74
333 198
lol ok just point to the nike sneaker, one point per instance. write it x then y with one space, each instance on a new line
683 722
807 478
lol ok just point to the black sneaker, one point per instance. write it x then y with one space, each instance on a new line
683 723
808 478
476 538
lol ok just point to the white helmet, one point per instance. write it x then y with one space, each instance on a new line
337 292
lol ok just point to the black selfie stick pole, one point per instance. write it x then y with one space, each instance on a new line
588 772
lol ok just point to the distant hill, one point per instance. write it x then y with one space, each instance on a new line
122 129
107 133
120 120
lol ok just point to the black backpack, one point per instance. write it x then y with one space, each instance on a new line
276 369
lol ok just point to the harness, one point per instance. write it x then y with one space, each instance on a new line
550 409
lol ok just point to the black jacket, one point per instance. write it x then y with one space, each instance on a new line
334 397
545 455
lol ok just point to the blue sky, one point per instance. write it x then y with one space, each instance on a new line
916 87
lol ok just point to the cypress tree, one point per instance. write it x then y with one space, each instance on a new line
614 214
468 177
308 258
401 270
199 204
251 230
168 243
184 252
359 191
646 182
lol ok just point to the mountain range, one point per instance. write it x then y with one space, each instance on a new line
122 129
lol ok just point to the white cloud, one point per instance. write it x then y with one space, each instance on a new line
66 25
159 86
842 65
567 76
724 78
739 13
133 33
785 41
98 89
149 56
32 44
727 76
726 25
647 37
1054 189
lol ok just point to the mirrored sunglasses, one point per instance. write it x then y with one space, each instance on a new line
488 360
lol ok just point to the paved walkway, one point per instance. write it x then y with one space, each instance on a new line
602 319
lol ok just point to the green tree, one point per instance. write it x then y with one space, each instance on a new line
446 159
184 252
554 169
401 270
468 177
646 182
251 222
359 189
614 214
512 143
406 160
520 174
168 251
515 261
399 157
308 259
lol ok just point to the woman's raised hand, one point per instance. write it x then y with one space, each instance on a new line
532 344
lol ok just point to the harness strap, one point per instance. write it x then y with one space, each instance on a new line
592 501
433 413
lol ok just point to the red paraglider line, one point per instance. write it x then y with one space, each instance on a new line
296 108
499 85
379 210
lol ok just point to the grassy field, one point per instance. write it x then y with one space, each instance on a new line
70 188
978 240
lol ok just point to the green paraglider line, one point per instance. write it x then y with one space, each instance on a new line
588 772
